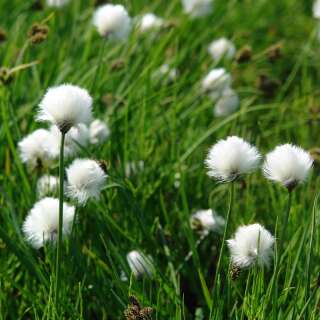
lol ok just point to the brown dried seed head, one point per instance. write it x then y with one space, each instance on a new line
38 33
267 85
235 272
3 35
134 301
5 75
244 54
274 52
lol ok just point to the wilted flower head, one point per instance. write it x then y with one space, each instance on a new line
150 21
231 157
85 179
252 244
205 221
35 149
42 222
227 103
222 48
76 138
140 264
316 9
66 106
57 3
47 185
217 80
197 8
288 165
99 131
112 21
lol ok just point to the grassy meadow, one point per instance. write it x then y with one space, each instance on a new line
162 130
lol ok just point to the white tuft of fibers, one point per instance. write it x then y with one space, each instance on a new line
41 224
316 9
222 48
252 244
149 22
230 158
66 106
205 221
99 132
227 103
288 165
216 81
112 21
197 8
75 139
47 185
85 179
57 3
35 149
140 264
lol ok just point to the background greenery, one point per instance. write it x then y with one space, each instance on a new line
169 127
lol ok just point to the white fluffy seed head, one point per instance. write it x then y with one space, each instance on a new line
75 139
35 149
150 21
66 106
252 244
112 21
205 221
230 158
216 81
222 48
316 9
99 132
197 8
57 3
85 180
140 264
227 103
41 224
288 165
47 185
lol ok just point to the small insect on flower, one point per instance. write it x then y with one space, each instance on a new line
149 22
252 244
35 149
205 221
197 8
222 48
231 157
85 179
140 264
66 106
227 103
41 224
216 81
112 22
287 164
99 132
47 185
76 139
57 3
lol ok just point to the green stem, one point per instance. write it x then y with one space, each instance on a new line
59 242
97 73
231 196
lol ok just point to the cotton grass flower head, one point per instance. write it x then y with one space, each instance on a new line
227 103
140 264
252 244
112 22
149 22
197 8
66 106
205 221
99 132
231 157
47 185
287 164
41 224
222 48
57 3
216 81
75 139
85 179
316 9
35 149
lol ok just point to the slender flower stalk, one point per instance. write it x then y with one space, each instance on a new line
59 243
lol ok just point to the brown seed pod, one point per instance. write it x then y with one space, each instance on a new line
3 35
235 272
38 33
244 54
